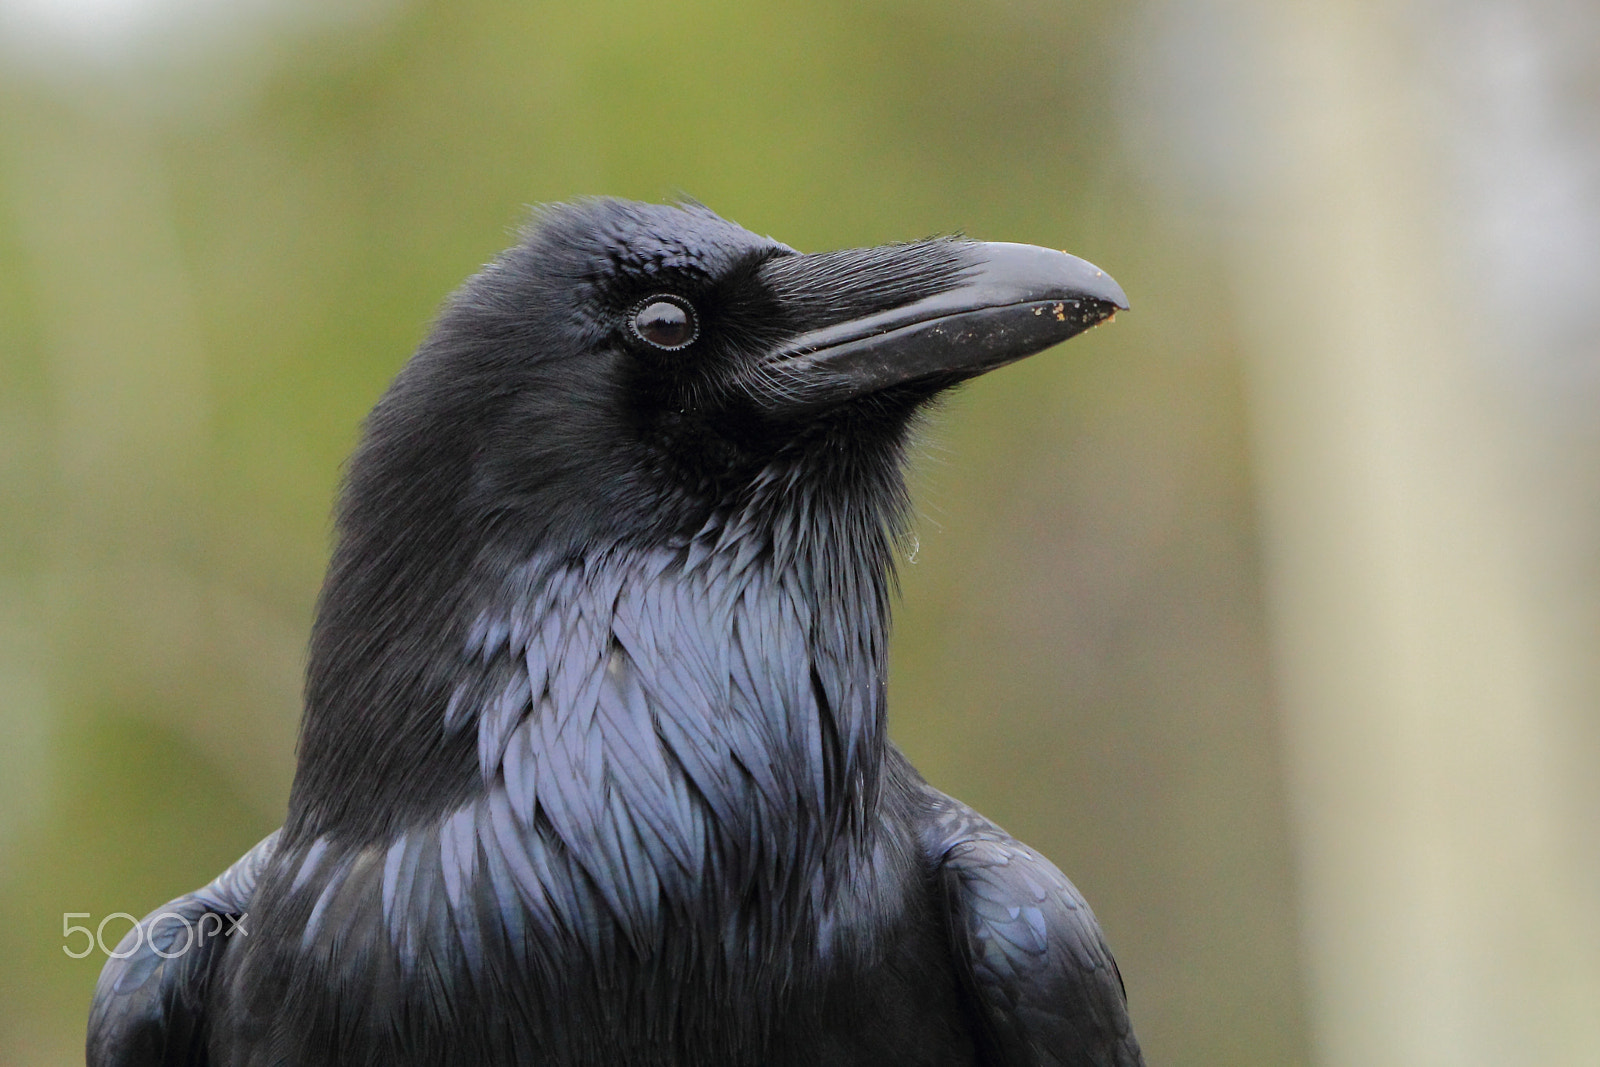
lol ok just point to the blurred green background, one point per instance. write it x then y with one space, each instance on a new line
1269 612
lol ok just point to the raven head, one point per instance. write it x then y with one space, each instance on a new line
628 365
628 374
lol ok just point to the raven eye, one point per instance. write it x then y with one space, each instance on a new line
666 322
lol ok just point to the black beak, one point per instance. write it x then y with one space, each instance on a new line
1006 301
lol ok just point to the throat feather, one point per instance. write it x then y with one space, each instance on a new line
663 715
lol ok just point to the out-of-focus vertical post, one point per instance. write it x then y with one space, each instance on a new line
1424 704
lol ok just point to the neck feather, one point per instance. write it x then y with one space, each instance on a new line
712 679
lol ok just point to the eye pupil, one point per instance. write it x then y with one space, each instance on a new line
665 323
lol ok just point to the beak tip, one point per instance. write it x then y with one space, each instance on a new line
1109 291
1060 274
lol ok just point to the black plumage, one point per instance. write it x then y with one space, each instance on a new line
594 766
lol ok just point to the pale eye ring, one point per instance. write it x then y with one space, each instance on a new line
665 321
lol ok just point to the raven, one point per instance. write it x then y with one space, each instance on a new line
593 767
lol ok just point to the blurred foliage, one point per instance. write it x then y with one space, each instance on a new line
203 304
